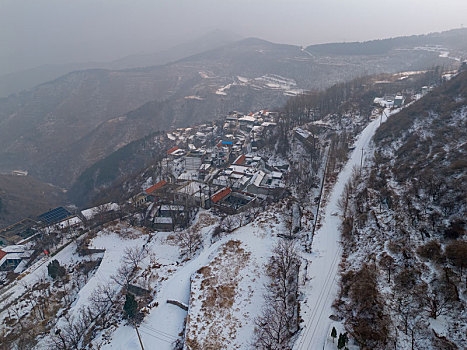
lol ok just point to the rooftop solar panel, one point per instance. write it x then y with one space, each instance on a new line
55 215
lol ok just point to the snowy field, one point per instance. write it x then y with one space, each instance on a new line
227 294
165 322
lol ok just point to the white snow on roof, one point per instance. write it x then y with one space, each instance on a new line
244 170
162 220
258 178
167 207
258 128
276 174
221 180
188 175
247 119
236 176
14 249
321 123
69 222
204 166
192 188
303 133
91 212
221 91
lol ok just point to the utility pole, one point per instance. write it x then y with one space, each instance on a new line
381 116
361 162
139 338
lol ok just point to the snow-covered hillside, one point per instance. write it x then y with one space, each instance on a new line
404 230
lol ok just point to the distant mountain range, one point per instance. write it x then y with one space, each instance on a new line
452 40
59 128
26 79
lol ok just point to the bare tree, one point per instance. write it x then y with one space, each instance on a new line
388 263
344 202
438 299
101 211
103 298
71 334
134 255
124 275
188 240
283 270
278 321
271 330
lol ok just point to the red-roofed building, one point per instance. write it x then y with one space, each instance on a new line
175 152
172 150
221 195
155 187
240 160
2 254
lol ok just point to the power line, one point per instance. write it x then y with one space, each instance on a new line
168 335
152 335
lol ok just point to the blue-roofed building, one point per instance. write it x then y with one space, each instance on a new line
53 216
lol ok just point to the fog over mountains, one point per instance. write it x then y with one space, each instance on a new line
59 128
26 79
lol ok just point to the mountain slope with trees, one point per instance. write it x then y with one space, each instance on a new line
404 283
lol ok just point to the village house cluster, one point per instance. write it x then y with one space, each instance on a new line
214 166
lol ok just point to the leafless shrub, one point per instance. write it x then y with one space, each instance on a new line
103 298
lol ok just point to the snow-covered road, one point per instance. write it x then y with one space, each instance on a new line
322 273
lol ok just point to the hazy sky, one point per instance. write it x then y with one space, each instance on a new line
36 32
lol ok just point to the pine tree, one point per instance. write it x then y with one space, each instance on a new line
346 338
333 333
341 341
54 269
131 306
